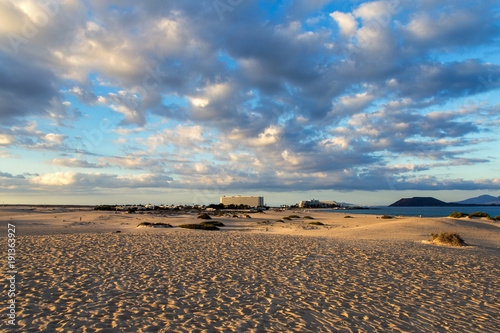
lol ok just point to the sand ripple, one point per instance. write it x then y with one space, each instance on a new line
242 282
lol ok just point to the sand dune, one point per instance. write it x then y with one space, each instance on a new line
352 275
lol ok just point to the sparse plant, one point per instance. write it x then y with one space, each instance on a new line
447 238
348 217
478 214
458 215
198 226
387 217
497 217
281 221
287 218
263 222
248 217
294 217
204 216
154 225
309 217
214 223
316 223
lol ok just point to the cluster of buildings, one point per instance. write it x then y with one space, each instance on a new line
317 204
245 201
254 201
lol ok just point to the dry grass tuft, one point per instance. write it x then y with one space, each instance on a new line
447 238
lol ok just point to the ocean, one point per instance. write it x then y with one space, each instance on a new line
419 211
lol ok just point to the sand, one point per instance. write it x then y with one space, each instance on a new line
362 274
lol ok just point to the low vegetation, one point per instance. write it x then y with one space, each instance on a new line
387 217
497 217
263 222
214 223
447 238
287 218
307 217
348 217
199 226
294 216
316 223
458 215
154 225
479 214
204 216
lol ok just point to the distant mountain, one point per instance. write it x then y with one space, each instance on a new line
481 200
420 202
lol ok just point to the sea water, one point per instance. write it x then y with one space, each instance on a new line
420 211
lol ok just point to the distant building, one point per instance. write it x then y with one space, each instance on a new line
317 204
246 201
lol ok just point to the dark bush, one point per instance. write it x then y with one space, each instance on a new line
287 218
348 217
447 238
458 215
387 217
154 225
309 217
198 226
214 223
204 216
478 214
316 223
497 217
294 217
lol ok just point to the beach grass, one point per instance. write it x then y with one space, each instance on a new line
458 215
316 223
199 226
447 238
154 225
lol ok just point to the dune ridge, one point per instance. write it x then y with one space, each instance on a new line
247 279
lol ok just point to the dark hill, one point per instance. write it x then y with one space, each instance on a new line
420 202
481 200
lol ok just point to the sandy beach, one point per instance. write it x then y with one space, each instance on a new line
359 274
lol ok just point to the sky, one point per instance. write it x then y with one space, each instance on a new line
181 102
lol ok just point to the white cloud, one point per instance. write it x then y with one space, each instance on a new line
55 179
347 23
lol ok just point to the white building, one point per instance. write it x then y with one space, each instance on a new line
239 200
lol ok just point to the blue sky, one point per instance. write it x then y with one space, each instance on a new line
186 101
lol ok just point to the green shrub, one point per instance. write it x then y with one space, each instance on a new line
458 215
154 225
294 217
478 214
204 216
348 217
214 223
309 217
447 238
316 223
198 226
387 217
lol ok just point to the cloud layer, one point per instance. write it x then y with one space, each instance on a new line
249 95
